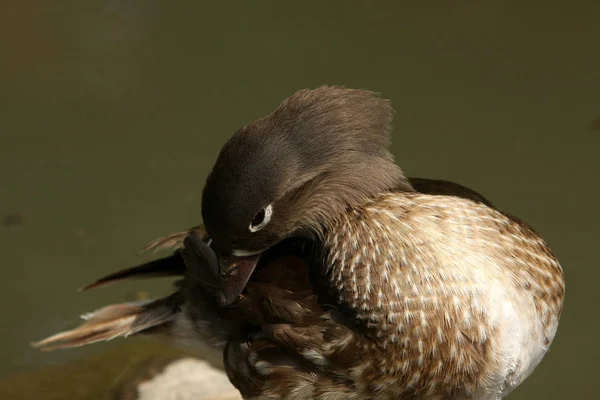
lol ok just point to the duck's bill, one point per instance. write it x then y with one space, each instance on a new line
227 277
236 273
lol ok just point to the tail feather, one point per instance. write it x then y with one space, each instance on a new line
163 267
168 266
110 322
126 319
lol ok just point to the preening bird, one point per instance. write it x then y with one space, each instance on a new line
324 273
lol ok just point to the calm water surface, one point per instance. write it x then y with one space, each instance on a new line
112 113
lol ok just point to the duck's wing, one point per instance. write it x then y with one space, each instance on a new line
296 344
448 188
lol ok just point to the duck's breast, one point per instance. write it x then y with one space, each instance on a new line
458 291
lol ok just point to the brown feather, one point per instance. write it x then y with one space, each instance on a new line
110 322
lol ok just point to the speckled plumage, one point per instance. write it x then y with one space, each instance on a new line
464 299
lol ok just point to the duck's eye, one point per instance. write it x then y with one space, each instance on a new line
261 219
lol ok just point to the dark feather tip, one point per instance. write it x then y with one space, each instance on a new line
163 267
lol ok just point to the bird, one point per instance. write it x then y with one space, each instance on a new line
323 272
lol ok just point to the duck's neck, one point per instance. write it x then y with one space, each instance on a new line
355 259
350 185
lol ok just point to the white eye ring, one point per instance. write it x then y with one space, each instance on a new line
266 212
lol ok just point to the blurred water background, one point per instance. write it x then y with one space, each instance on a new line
113 111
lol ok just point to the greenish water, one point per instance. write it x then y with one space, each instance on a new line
112 112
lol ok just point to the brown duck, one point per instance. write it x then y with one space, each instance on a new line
324 273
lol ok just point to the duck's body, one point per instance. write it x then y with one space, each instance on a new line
370 285
465 300
454 300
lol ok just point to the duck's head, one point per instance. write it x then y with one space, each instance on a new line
289 173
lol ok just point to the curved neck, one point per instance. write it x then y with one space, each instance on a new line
330 195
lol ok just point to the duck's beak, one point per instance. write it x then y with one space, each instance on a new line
236 272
